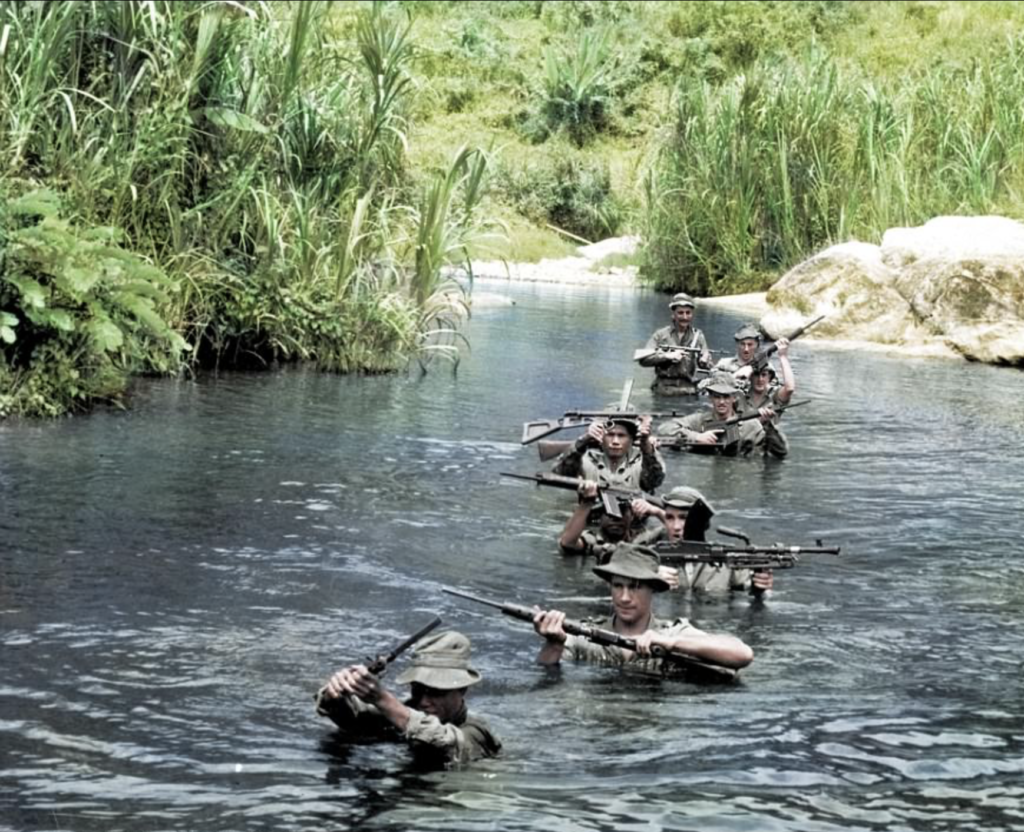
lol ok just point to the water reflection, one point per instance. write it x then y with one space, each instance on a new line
175 581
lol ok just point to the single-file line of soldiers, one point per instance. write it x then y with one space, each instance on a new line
643 545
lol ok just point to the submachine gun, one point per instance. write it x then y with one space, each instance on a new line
672 661
378 666
668 349
609 496
744 556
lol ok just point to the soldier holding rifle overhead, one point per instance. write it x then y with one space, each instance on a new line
677 351
434 720
608 454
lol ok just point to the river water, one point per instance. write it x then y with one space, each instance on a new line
177 580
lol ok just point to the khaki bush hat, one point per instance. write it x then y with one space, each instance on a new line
681 299
684 497
638 563
441 660
722 384
747 331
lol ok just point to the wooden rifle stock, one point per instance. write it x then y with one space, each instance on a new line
601 636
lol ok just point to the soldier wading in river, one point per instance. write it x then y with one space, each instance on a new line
434 720
632 575
675 372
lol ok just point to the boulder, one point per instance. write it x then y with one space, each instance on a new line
957 282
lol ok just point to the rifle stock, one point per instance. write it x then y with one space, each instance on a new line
601 636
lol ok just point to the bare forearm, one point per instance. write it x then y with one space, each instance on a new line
727 651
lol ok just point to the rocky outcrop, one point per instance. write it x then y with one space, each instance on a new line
955 283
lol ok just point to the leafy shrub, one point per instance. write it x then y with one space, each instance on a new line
78 314
566 191
578 88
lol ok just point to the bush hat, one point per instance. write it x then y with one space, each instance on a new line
441 661
698 510
681 299
722 384
747 331
685 498
638 563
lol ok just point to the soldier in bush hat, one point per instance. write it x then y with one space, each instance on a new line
619 452
686 515
675 372
434 720
632 576
705 432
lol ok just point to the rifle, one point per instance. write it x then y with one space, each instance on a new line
379 665
737 557
768 350
598 635
610 496
549 449
725 424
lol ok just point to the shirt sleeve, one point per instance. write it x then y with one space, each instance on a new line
449 739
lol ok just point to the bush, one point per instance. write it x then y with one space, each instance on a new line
78 314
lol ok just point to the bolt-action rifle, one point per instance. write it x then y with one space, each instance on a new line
610 497
598 635
762 355
551 448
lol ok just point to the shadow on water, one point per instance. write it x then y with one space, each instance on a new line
175 581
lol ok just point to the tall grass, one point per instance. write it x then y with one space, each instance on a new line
798 154
253 160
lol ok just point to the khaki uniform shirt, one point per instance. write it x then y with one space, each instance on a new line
468 738
739 439
776 442
675 377
638 471
582 650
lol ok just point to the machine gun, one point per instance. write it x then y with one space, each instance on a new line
744 556
598 635
609 496
378 666
762 355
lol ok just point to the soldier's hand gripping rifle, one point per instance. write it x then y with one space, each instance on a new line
610 497
761 357
598 635
378 666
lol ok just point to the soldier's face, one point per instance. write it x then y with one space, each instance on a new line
617 441
631 600
746 348
675 523
722 405
682 315
760 381
444 704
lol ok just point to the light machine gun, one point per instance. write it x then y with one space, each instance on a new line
744 556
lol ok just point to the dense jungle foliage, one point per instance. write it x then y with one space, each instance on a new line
197 184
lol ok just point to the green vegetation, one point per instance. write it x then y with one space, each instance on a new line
293 181
255 168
